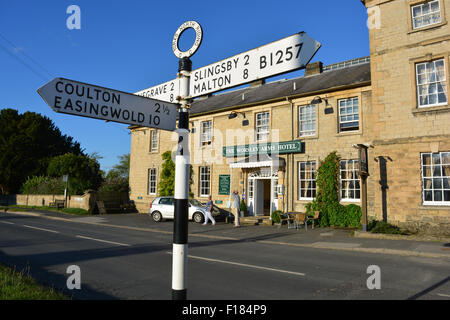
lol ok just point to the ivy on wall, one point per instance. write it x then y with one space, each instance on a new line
332 213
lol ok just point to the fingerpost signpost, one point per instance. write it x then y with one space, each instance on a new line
156 107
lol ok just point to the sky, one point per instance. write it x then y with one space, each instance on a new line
126 45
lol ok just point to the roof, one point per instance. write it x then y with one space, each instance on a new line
325 81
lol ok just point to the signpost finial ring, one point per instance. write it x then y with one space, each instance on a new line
198 39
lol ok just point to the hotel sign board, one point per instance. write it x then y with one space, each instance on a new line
283 147
224 184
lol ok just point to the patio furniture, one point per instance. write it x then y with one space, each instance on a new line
313 219
299 219
285 217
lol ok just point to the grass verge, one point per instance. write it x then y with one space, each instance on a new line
15 285
15 207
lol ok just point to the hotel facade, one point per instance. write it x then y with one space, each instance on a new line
267 140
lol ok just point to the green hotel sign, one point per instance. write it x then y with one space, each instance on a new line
294 146
224 184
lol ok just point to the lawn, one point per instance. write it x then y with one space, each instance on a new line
15 285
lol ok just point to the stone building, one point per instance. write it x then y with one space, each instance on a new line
396 101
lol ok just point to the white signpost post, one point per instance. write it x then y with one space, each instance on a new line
87 100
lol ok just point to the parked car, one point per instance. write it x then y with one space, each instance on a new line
163 208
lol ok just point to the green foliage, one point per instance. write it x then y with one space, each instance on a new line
117 179
43 185
76 211
27 143
275 217
383 227
243 206
332 213
166 185
84 172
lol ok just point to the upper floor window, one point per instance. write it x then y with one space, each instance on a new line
349 180
205 134
307 120
436 178
431 83
349 114
426 14
153 141
262 126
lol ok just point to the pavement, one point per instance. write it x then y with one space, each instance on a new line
318 238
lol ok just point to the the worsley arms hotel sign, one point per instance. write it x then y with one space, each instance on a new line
283 147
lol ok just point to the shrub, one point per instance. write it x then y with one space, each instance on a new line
243 207
275 217
353 214
383 227
43 185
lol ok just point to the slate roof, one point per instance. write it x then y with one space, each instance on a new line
326 81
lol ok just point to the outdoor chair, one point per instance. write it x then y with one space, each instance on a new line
299 218
313 219
285 217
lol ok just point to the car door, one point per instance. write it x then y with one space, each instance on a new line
167 207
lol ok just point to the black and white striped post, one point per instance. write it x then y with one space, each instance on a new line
182 164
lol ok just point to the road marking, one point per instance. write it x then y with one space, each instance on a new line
6 222
443 295
100 240
42 229
245 265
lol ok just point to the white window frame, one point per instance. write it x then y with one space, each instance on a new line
353 178
307 119
428 15
343 118
154 141
204 178
309 181
152 181
206 133
251 183
437 177
262 126
430 78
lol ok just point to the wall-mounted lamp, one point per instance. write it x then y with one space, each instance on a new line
234 114
328 108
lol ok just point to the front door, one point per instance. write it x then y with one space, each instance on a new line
258 197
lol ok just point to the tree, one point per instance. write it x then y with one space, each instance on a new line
117 179
84 172
27 143
166 186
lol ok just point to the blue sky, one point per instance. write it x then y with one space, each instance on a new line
126 45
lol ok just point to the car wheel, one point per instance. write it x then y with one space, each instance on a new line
156 216
198 217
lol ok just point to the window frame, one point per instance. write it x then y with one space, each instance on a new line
150 182
154 149
417 85
357 180
311 180
421 4
346 115
201 179
207 142
265 133
432 177
313 120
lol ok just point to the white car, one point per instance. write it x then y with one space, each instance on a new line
163 208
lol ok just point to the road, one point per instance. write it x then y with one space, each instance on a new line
135 263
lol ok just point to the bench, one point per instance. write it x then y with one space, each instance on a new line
58 204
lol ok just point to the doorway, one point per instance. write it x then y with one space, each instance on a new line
261 196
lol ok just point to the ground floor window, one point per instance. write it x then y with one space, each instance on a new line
152 181
306 180
349 180
205 181
436 178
